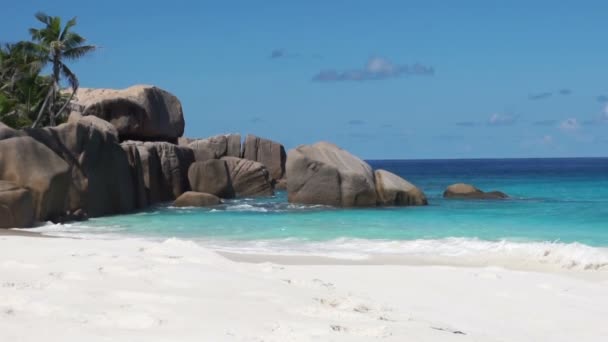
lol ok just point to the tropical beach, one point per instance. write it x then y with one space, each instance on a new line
250 188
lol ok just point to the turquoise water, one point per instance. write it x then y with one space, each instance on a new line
561 201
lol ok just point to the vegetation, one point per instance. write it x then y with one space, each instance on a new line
27 96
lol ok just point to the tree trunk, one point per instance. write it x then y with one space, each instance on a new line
51 105
44 105
67 103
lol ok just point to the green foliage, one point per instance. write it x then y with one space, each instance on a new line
28 98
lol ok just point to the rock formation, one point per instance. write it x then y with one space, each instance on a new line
224 145
211 176
323 173
196 199
101 181
30 164
468 191
137 175
16 206
394 190
249 178
174 164
151 170
140 112
268 152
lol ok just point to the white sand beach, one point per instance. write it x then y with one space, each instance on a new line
134 290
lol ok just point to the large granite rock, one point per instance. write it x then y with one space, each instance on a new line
224 145
140 112
151 170
174 164
268 152
249 178
196 199
30 164
101 181
211 176
468 191
137 175
184 141
323 173
394 190
164 168
7 132
16 206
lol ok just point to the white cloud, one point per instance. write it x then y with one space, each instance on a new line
497 119
377 68
570 125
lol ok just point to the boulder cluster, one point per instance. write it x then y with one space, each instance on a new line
120 151
323 173
124 150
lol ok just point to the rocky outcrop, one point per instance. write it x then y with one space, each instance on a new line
151 171
396 191
323 173
7 132
174 164
224 145
183 141
268 152
30 164
249 178
137 175
101 181
211 176
140 112
16 206
196 199
468 191
164 169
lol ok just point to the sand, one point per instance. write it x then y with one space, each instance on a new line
135 290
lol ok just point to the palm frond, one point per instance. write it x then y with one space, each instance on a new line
71 23
78 52
70 76
72 40
43 18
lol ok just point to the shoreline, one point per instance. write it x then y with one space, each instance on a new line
140 290
414 261
20 232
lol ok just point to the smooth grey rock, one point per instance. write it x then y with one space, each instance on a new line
468 191
151 170
268 152
140 112
323 173
196 199
137 175
101 182
223 145
175 162
30 164
394 190
211 176
16 206
249 178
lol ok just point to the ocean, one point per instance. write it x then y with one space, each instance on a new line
557 214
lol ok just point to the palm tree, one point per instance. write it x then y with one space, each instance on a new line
54 45
22 89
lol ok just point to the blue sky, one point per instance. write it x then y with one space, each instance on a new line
383 79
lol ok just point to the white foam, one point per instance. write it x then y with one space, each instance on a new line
246 207
464 251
